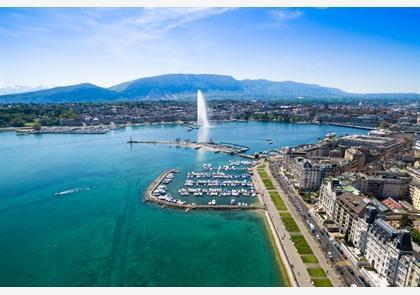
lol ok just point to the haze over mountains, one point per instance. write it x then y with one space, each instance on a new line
185 86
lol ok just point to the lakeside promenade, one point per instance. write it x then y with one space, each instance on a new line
309 237
299 268
295 268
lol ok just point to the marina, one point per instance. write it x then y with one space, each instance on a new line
216 185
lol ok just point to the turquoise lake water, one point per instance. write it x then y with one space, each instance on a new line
104 235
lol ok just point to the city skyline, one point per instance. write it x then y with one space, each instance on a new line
354 49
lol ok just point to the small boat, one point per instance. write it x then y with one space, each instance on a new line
232 202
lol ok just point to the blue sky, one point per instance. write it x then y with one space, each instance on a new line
355 49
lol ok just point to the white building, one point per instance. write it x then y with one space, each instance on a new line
387 250
308 175
330 189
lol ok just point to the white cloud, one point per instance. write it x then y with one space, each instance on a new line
283 15
136 30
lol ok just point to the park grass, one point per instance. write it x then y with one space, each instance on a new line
309 258
324 282
290 224
278 202
301 245
263 174
316 272
285 215
268 184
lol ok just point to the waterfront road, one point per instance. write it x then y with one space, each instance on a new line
323 261
332 256
294 264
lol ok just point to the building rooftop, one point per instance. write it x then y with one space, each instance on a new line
367 138
351 189
356 203
391 204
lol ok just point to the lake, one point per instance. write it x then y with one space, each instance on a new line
104 235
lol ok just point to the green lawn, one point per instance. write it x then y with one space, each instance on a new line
268 184
316 272
263 174
309 258
278 201
285 215
322 282
290 224
301 245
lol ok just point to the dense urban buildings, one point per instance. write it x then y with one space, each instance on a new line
365 191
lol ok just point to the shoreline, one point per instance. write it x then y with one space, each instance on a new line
186 124
278 251
281 257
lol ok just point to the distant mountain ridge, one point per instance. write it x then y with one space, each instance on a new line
22 89
185 86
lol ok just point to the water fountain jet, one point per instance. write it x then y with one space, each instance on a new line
202 118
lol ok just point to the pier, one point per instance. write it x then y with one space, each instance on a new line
149 197
350 126
232 149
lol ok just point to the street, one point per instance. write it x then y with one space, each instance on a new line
349 275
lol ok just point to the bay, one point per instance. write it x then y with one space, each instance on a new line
104 235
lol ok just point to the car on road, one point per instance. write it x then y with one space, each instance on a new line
318 237
364 281
329 254
351 270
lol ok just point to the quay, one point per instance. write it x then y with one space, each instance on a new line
149 197
351 126
64 130
231 149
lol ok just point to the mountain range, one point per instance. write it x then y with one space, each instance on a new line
185 86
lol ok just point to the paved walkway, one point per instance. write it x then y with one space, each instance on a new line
294 264
323 262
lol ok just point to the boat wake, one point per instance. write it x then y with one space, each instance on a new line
71 191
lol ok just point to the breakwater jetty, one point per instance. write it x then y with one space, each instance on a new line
351 126
228 148
177 204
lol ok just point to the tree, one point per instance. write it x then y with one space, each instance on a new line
37 126
415 236
406 221
384 125
17 122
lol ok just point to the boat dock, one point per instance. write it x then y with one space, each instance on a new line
150 197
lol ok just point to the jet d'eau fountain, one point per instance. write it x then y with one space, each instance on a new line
202 118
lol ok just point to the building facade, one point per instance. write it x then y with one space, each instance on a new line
388 146
388 251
